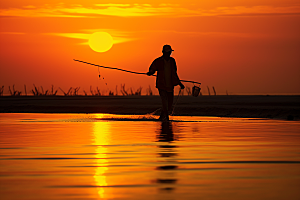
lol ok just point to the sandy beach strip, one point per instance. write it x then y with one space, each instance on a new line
274 107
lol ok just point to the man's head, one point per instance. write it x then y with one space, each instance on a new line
167 50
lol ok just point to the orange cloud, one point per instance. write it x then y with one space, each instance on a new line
254 10
136 10
118 37
121 10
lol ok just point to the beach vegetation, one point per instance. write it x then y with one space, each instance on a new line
75 91
66 93
116 90
1 90
138 91
13 91
130 91
188 91
123 90
95 92
208 90
25 90
149 91
214 90
39 91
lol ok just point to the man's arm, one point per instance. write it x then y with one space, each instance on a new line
152 68
150 73
181 85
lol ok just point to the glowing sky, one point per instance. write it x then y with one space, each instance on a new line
243 47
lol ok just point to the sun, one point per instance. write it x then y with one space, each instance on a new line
100 41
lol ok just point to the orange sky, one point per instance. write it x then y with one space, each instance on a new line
243 47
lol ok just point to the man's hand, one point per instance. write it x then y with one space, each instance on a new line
182 86
149 73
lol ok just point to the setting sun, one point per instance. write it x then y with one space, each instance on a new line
100 41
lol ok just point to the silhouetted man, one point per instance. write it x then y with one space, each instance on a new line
166 79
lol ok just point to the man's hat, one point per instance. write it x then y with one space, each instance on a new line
167 48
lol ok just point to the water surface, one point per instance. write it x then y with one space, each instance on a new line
101 156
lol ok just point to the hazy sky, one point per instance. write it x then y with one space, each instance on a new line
243 47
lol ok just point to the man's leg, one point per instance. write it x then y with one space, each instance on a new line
170 102
164 101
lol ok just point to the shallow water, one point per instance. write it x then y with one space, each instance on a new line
100 156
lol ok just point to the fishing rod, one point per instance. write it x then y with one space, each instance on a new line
123 70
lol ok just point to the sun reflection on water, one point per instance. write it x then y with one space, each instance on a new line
101 138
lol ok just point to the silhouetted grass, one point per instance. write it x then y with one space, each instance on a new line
39 91
1 90
188 91
25 90
123 90
14 92
149 91
53 93
214 90
138 91
116 91
208 90
131 91
75 91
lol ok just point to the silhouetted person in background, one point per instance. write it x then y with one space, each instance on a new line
166 79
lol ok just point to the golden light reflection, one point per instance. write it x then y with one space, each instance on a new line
102 138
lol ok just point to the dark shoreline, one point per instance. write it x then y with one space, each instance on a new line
252 106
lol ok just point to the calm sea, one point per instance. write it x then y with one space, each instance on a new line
101 156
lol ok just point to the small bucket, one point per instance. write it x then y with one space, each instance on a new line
196 91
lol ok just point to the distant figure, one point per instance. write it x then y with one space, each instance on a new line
166 79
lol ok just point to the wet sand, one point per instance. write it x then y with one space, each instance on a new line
273 107
92 156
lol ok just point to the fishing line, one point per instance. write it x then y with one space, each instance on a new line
99 75
176 102
99 72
